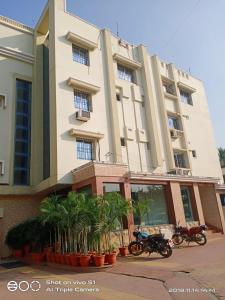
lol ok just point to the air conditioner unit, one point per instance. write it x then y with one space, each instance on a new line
2 167
173 134
83 115
186 172
179 172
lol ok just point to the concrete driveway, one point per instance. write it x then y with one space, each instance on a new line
193 272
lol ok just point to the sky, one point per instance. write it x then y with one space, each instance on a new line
191 34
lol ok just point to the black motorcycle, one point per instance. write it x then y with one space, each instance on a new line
150 243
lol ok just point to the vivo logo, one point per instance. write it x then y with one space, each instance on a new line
24 286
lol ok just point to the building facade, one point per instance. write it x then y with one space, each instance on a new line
83 110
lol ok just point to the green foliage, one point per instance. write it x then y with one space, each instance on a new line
221 153
30 232
74 223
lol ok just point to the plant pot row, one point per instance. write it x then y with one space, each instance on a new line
77 259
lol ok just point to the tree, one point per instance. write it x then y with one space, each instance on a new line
221 153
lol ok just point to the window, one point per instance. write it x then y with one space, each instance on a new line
122 142
2 167
185 194
152 199
22 133
194 154
125 73
111 187
222 197
118 97
80 55
179 160
84 149
173 123
2 101
169 88
186 97
82 100
87 190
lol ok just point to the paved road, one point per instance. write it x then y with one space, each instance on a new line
191 273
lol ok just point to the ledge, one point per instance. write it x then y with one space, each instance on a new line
127 62
16 55
168 95
83 86
172 177
186 87
16 25
81 41
86 134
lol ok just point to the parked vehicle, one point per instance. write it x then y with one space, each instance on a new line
150 243
194 234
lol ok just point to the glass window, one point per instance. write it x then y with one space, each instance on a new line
125 73
179 160
84 150
87 190
111 187
80 55
173 123
169 88
186 97
81 101
152 198
222 197
187 204
122 142
22 132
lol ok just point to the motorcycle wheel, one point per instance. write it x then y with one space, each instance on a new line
177 239
166 251
200 239
135 248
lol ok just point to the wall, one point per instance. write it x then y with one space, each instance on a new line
11 67
16 210
211 206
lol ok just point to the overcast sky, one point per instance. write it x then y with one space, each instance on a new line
191 34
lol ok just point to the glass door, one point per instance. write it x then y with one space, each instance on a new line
187 204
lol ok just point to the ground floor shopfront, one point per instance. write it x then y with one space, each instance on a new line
171 199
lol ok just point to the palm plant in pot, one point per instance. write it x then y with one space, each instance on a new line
119 208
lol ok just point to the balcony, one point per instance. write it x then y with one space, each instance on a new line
175 133
83 115
180 171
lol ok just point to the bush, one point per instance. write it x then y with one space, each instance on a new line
31 232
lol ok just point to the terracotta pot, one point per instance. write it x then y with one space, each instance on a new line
124 251
106 258
91 253
62 259
48 257
26 249
112 258
67 259
99 260
36 257
47 250
85 260
73 260
78 255
17 253
52 257
57 258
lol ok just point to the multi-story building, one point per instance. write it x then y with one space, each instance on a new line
81 109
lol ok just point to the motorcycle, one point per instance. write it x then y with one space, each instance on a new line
150 243
194 234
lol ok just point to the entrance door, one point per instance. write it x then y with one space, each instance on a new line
187 203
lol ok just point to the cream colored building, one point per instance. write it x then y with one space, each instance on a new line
82 109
